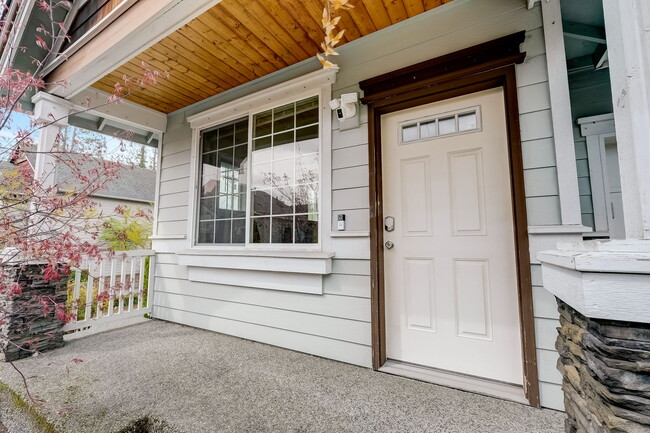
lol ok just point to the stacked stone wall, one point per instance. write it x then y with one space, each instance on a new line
606 370
27 326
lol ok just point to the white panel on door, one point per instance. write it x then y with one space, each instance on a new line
420 294
466 193
416 197
472 290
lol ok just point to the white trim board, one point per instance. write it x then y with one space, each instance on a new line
558 83
455 380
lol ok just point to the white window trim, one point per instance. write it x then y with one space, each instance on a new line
316 83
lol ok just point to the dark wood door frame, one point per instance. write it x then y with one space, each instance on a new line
485 66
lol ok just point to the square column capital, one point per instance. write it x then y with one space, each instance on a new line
50 108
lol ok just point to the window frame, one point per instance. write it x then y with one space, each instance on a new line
319 84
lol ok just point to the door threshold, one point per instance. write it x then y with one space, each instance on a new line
464 382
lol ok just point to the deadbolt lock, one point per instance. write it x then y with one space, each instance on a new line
389 244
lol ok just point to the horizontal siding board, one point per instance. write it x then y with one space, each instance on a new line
334 349
581 149
347 285
172 227
351 248
349 138
538 153
534 42
546 333
351 198
547 366
535 97
536 275
178 213
532 71
536 125
175 159
167 270
544 303
583 167
175 186
551 396
541 182
350 156
323 326
355 220
325 305
543 210
173 200
351 267
584 186
353 177
166 258
180 171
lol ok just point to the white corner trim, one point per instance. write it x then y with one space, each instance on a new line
558 82
231 110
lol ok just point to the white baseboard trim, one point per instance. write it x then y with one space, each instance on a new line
460 381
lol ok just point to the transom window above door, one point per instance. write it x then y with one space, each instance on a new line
443 125
260 178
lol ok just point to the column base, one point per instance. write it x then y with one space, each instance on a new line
606 369
28 327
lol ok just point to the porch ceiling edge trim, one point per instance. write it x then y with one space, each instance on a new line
232 108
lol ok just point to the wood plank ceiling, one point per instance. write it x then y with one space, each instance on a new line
238 41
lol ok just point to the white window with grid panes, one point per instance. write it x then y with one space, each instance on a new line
260 178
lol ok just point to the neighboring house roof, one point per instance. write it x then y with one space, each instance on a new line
136 184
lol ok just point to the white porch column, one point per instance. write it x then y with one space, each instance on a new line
53 111
627 24
558 83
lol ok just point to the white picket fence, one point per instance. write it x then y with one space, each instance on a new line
113 290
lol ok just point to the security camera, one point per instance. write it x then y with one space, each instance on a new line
345 106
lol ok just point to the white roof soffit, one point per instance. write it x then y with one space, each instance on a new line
168 17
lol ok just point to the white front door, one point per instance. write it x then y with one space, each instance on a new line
451 299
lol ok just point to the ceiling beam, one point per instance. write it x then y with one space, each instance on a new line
531 3
584 32
101 123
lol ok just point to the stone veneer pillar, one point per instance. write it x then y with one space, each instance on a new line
27 327
606 369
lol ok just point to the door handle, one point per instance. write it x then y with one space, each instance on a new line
389 244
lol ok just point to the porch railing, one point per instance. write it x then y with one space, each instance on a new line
118 287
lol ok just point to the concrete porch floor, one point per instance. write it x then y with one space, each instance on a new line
200 381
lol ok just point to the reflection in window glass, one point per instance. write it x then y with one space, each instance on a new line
285 174
428 129
447 125
222 202
410 132
467 121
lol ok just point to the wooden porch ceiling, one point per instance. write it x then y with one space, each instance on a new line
238 41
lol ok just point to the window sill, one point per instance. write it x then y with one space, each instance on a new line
304 262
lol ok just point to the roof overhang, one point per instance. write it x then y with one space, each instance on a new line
210 46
